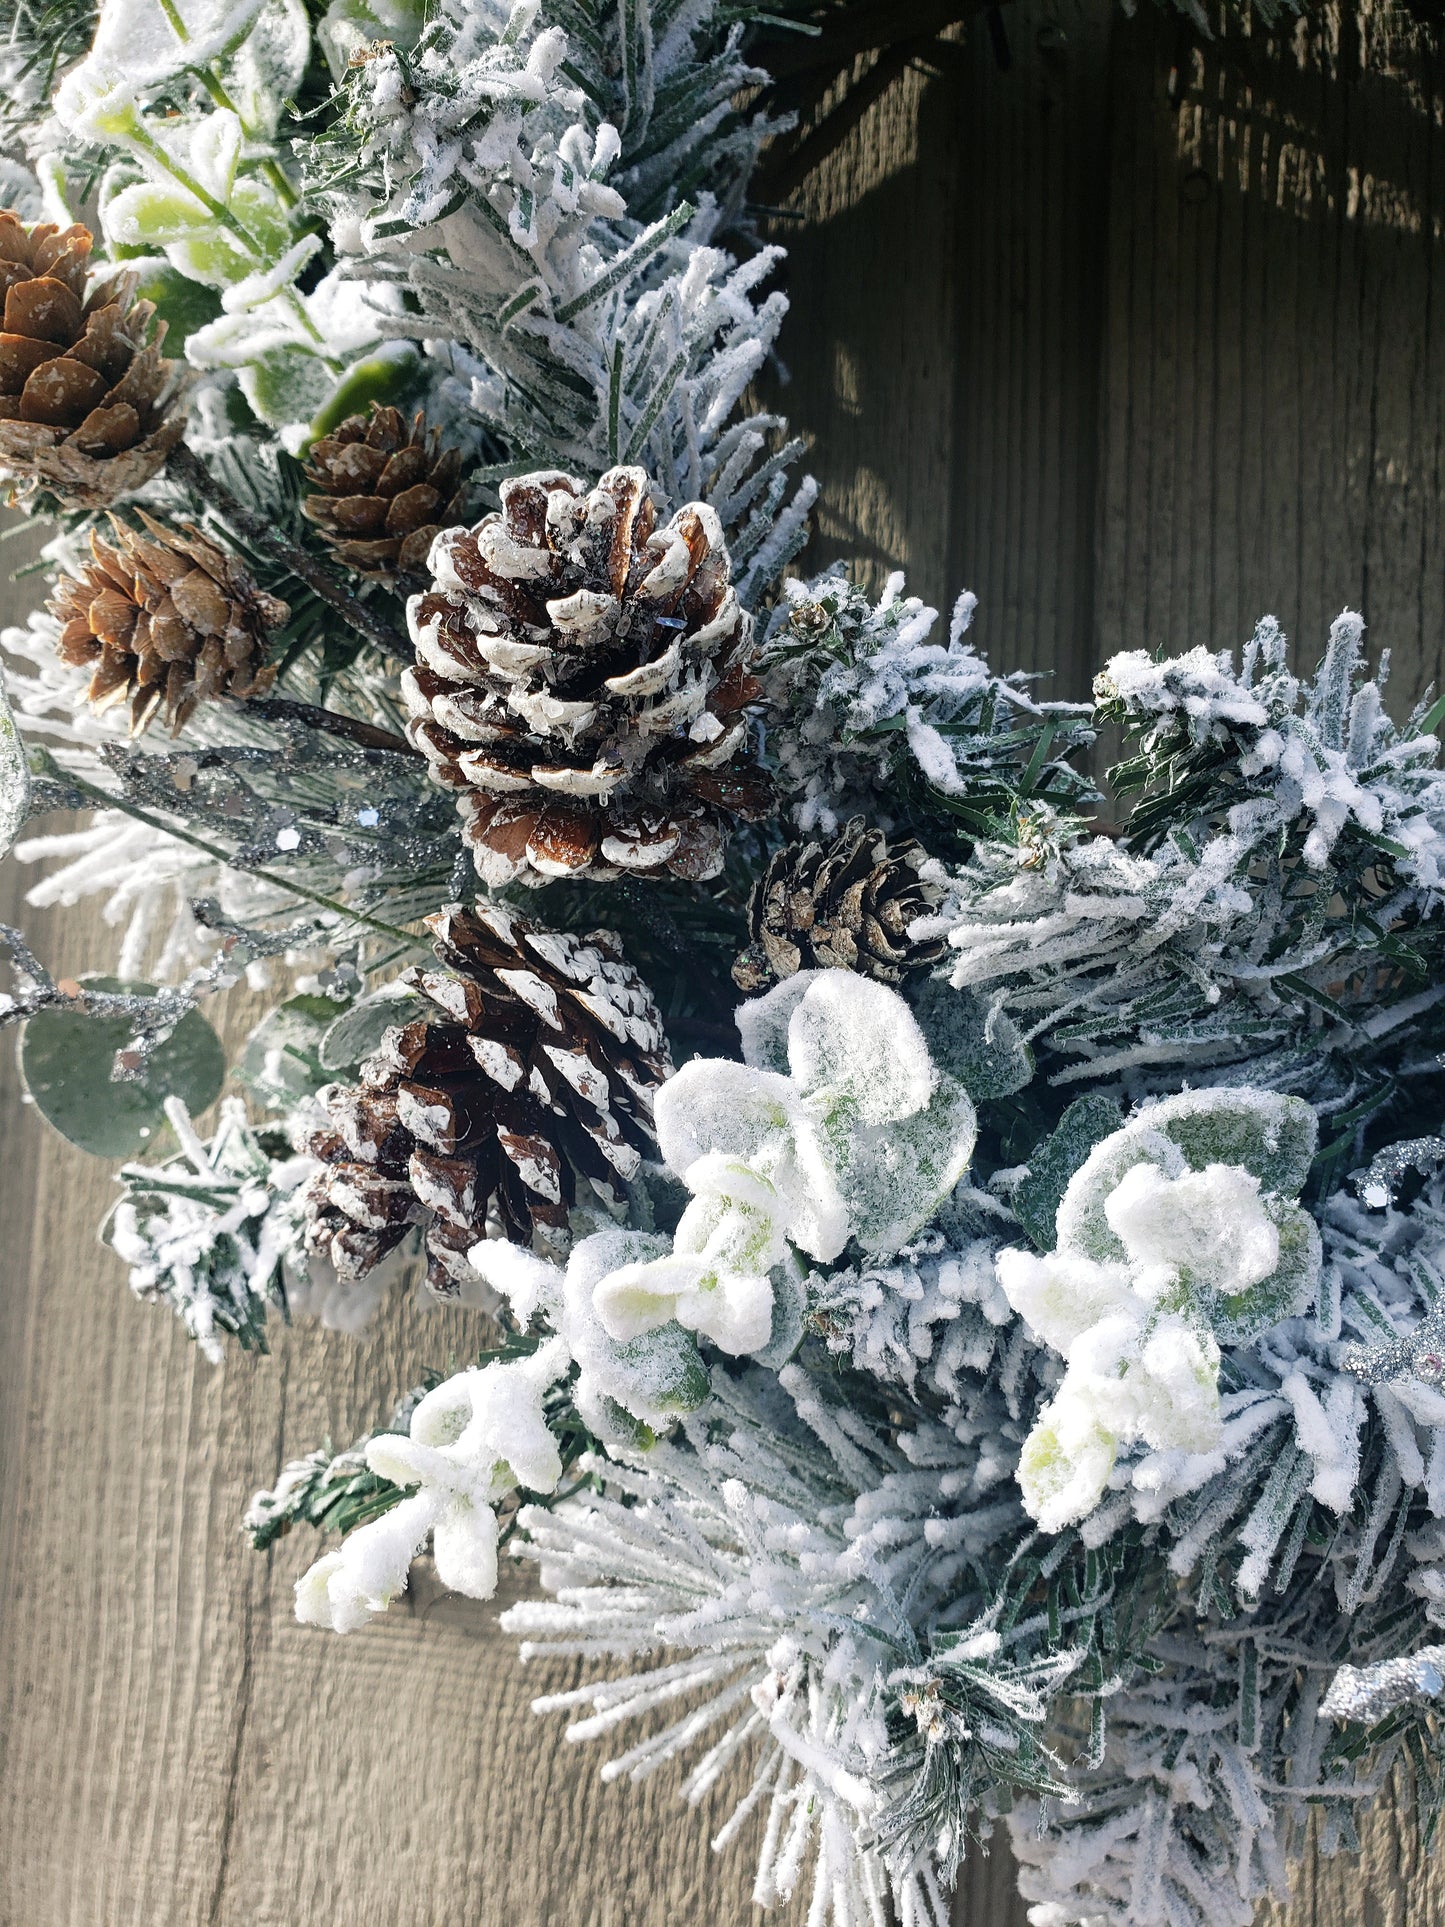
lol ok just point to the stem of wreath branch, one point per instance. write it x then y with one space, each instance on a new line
188 467
106 800
282 709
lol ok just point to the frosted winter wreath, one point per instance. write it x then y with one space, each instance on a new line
969 1292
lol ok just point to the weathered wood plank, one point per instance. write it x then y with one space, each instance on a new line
947 290
1273 402
1273 399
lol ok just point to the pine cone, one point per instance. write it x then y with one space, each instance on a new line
536 1069
88 408
843 904
580 682
381 492
165 623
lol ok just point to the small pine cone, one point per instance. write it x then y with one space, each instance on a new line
842 904
581 681
88 408
535 1068
165 624
381 492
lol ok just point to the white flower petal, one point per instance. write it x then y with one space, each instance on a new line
464 1545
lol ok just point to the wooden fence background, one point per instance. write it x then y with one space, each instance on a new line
1137 342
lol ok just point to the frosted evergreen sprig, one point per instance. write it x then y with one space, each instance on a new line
1252 750
1273 901
41 39
767 1551
913 733
547 161
446 1468
965 1729
216 1234
332 1491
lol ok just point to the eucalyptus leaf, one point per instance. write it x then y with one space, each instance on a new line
285 384
1087 1122
895 1176
1289 1289
67 1059
663 1371
1271 1136
358 1031
790 1306
979 1045
267 67
182 304
281 1060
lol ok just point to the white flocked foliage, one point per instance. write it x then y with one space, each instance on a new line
1167 1240
473 1439
838 1125
638 1381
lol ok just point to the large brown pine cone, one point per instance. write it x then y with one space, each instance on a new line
381 492
581 680
843 903
535 1067
165 623
88 408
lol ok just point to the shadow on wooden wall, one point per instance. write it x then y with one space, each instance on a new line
1273 385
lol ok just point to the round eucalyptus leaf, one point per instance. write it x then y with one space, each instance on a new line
281 1060
66 1059
358 1031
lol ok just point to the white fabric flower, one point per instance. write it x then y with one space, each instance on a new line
1175 1231
472 1439
1142 1368
1208 1227
837 1126
1135 1376
715 1279
644 1380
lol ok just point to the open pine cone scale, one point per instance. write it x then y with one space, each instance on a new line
88 406
381 489
581 681
165 619
535 1067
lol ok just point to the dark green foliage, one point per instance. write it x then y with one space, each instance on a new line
1087 1122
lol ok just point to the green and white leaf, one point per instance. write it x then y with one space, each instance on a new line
67 1060
281 1060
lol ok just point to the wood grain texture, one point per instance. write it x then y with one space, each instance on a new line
1135 372
1273 383
948 290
